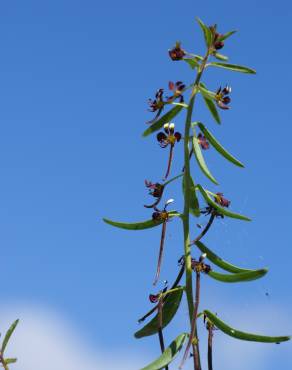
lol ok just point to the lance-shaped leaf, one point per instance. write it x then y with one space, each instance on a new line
194 203
226 35
192 62
170 307
139 225
183 105
208 97
10 361
220 149
8 335
206 30
218 261
166 118
168 355
201 161
221 210
239 277
196 56
233 67
207 93
240 334
220 56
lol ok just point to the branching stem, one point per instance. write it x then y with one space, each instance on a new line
193 340
2 361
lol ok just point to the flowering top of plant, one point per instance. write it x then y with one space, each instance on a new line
197 201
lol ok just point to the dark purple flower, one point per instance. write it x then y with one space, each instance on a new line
222 97
160 216
217 38
153 298
156 190
157 103
223 202
203 142
200 266
168 137
218 43
177 53
177 89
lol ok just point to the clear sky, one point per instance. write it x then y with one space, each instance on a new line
75 77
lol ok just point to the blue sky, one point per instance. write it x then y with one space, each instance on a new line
75 77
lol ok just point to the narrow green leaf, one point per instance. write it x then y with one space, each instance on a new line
138 225
8 335
213 110
208 97
168 355
233 67
220 56
240 334
10 361
220 149
183 105
166 118
226 35
192 62
194 203
221 210
201 161
239 277
218 261
196 56
206 30
170 307
207 93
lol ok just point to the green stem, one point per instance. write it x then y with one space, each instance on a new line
186 214
2 361
173 179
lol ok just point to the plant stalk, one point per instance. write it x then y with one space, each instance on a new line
2 361
210 347
186 214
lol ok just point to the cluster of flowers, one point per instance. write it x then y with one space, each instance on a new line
169 137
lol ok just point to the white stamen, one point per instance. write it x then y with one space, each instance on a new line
169 201
204 255
171 126
166 126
